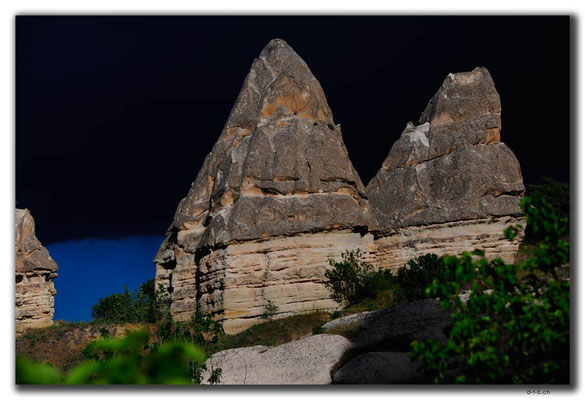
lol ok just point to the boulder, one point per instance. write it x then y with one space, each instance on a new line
379 368
35 271
307 361
395 328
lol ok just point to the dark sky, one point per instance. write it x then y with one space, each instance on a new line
114 115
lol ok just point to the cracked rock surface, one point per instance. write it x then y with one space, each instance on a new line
307 361
277 196
279 166
450 165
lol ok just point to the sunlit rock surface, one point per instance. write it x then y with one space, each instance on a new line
448 183
278 195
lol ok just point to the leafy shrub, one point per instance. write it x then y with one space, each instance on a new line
556 194
129 360
270 310
351 279
412 280
518 330
139 306
202 330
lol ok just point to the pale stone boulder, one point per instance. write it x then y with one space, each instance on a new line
307 361
35 271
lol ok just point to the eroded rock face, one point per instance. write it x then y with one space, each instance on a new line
450 175
279 169
35 271
277 196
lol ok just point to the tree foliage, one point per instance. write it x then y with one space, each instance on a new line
515 326
412 280
556 194
138 306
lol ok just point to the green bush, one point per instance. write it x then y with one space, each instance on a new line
518 330
557 194
139 306
270 310
351 279
412 280
202 330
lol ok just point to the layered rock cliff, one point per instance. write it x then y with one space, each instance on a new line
277 196
35 271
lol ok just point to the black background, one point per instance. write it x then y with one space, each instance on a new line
114 115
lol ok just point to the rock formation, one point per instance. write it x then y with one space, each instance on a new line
35 271
274 199
277 196
307 361
374 349
448 183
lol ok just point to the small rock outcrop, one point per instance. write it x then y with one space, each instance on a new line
307 361
35 271
278 195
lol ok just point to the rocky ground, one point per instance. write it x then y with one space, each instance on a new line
371 347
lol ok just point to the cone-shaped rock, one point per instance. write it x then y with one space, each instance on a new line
35 271
279 169
448 168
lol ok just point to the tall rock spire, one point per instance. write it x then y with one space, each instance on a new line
450 165
448 184
279 168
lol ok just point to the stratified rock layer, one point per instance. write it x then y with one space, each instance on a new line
277 196
35 271
278 172
448 184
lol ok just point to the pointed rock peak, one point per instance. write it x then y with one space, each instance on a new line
278 78
279 167
463 96
450 165
464 111
278 49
